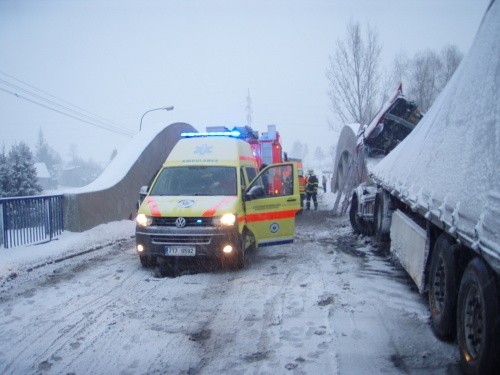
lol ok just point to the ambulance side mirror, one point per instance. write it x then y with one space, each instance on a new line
142 194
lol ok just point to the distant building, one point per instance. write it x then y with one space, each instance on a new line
77 176
44 178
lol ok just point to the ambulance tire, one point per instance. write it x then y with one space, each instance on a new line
166 268
239 260
147 261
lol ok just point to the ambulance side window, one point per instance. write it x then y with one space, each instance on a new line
251 173
273 182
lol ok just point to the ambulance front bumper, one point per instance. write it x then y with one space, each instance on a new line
205 242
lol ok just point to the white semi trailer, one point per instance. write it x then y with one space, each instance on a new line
436 198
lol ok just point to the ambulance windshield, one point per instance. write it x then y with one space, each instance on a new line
196 180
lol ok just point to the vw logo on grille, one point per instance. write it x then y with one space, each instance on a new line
180 222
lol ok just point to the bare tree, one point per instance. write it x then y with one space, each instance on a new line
450 60
353 75
424 74
397 76
299 150
319 155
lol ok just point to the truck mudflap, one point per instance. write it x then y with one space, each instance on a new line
409 243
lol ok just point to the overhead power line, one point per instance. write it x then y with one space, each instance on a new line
66 114
76 112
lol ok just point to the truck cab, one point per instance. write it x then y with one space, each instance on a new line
208 202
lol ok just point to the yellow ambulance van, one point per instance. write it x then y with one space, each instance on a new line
208 201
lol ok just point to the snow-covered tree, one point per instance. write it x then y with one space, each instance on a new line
5 185
47 155
22 172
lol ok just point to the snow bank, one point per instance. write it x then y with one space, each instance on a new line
16 259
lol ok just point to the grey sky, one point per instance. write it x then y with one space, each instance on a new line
118 59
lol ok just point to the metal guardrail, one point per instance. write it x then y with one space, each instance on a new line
27 220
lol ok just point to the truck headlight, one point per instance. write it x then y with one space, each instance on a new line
143 220
228 219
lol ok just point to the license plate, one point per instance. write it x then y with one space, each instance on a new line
180 251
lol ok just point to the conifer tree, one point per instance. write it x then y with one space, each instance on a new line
46 154
23 177
5 185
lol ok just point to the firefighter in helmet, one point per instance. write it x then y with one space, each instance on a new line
312 190
302 187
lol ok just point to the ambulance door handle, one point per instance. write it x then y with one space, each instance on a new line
291 200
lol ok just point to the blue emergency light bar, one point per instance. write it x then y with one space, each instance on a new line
232 133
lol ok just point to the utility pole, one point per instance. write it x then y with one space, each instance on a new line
249 109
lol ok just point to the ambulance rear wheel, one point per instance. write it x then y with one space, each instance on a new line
147 261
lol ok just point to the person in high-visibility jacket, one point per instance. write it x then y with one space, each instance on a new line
302 187
312 190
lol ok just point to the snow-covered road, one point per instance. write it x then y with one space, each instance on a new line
330 303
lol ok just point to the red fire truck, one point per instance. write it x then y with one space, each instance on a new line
266 148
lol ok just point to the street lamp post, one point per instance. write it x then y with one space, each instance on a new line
155 109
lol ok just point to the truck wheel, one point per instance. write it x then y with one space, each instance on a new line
478 320
443 288
381 234
147 261
358 224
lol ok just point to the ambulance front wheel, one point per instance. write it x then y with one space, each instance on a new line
240 255
147 261
239 259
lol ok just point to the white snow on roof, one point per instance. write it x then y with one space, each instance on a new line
453 155
41 170
121 164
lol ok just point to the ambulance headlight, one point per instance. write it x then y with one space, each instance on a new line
228 220
143 220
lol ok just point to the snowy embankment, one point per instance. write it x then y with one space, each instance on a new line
23 258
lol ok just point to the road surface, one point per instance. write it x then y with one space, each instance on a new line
331 303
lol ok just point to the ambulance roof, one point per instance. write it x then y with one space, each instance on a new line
211 151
